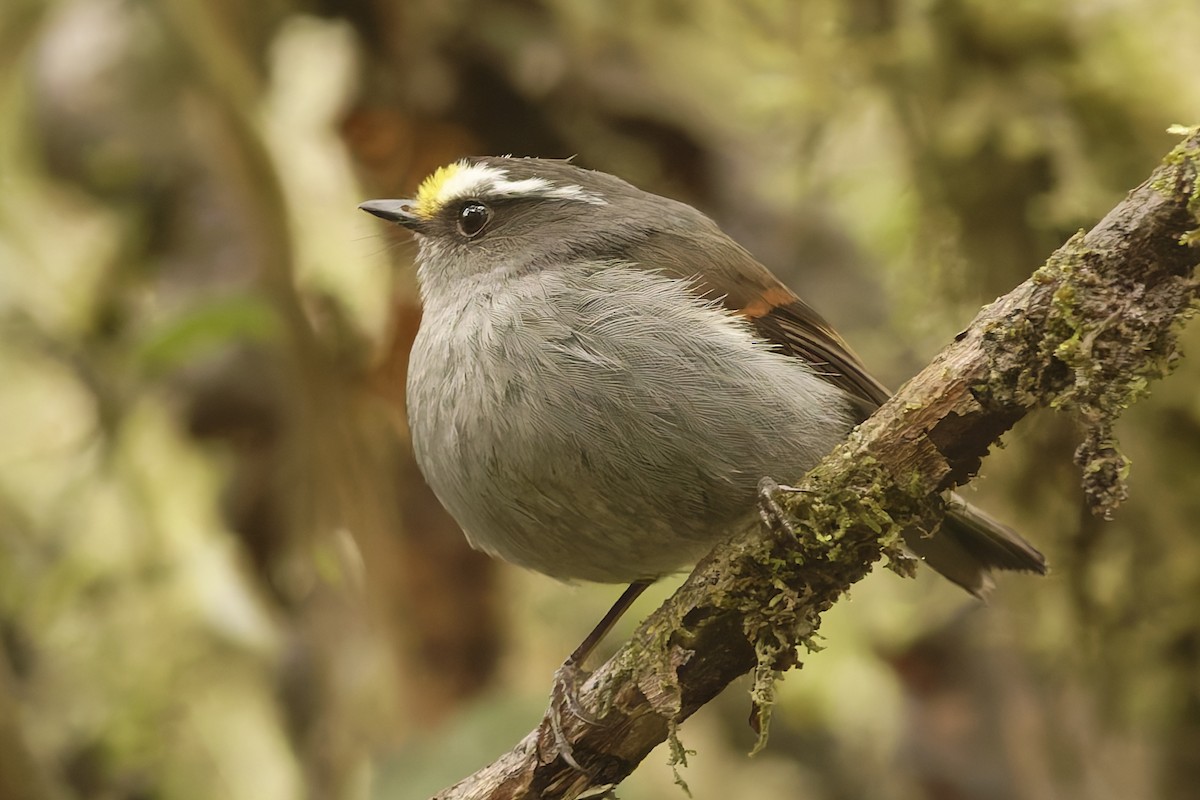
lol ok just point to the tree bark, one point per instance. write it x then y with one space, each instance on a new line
1087 333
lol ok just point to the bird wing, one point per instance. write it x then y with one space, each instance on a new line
970 542
726 272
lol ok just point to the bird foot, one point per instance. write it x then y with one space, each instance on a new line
769 508
564 698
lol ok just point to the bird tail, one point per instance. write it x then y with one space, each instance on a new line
970 544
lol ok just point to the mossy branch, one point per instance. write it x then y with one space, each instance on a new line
1086 333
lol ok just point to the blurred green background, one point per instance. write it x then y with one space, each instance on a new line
220 573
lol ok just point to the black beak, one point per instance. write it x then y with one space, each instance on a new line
401 212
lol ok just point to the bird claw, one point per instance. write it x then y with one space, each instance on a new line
769 509
565 695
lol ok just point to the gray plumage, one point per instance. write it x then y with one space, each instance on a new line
603 423
602 377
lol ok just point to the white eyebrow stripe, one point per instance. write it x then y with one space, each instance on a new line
468 180
476 180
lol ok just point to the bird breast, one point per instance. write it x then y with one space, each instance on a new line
603 422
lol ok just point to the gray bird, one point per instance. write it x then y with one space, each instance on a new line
602 377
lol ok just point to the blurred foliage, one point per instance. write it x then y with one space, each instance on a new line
220 574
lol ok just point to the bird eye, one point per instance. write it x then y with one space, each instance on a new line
473 217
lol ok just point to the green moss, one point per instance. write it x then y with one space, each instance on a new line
679 756
1183 162
1183 159
842 522
1101 345
842 525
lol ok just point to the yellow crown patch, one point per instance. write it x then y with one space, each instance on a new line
429 194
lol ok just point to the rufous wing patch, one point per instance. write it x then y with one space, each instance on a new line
771 298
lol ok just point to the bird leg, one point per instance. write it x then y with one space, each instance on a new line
569 677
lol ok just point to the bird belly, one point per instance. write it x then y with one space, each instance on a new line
591 436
